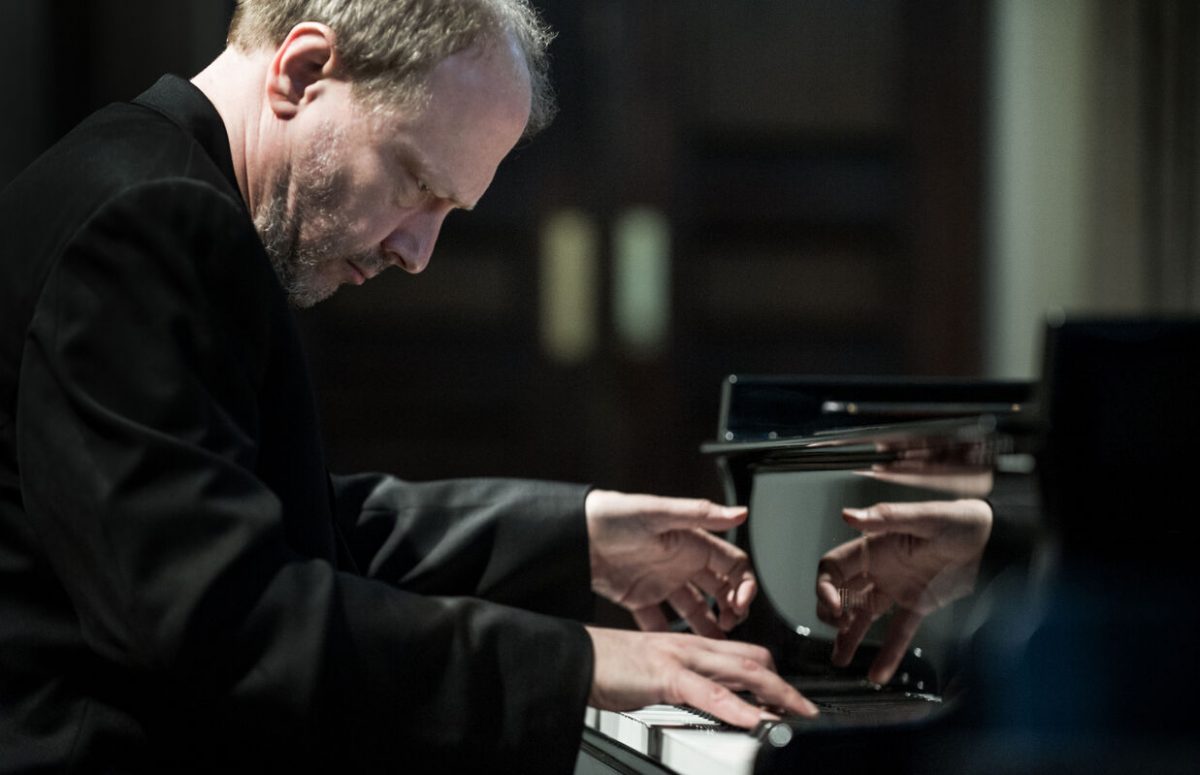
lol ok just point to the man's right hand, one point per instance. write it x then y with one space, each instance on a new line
634 669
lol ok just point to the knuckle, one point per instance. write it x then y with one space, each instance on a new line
673 688
750 666
717 694
674 646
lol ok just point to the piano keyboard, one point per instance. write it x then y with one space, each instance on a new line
689 742
681 739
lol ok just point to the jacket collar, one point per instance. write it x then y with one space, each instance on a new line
180 101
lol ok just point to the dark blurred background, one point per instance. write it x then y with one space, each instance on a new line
775 186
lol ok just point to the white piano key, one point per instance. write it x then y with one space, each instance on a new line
680 740
708 752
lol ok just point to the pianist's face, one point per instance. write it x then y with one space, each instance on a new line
362 190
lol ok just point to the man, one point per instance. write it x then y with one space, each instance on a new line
184 588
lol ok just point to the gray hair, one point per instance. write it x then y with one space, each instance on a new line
387 48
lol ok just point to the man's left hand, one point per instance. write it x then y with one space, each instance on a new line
646 550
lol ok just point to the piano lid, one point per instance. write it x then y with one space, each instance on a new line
757 408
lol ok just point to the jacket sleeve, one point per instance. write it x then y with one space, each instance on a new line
137 433
521 543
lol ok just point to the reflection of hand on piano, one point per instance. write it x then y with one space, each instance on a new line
634 669
646 550
918 556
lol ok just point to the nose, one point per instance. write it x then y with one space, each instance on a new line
412 241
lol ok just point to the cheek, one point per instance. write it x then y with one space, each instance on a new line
378 219
357 207
358 222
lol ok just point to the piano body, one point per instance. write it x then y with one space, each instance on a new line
1085 660
793 449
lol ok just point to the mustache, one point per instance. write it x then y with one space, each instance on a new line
372 261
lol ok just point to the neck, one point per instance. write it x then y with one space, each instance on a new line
233 82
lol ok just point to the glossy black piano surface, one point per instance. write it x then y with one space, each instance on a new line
793 449
1083 660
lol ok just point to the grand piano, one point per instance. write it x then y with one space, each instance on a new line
1080 656
794 450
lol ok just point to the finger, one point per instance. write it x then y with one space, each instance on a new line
900 632
732 565
735 670
966 482
711 697
684 513
932 466
829 600
651 619
724 561
923 519
745 593
693 608
845 561
733 596
847 641
719 590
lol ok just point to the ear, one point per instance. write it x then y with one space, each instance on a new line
302 61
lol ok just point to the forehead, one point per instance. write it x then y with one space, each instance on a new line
472 112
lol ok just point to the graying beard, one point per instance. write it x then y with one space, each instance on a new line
280 230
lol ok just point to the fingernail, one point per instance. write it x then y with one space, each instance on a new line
767 715
860 514
745 593
732 511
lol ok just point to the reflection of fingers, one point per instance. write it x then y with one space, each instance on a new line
847 641
651 619
693 608
901 629
845 561
923 520
970 482
735 671
829 602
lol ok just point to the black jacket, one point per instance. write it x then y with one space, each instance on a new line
182 586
